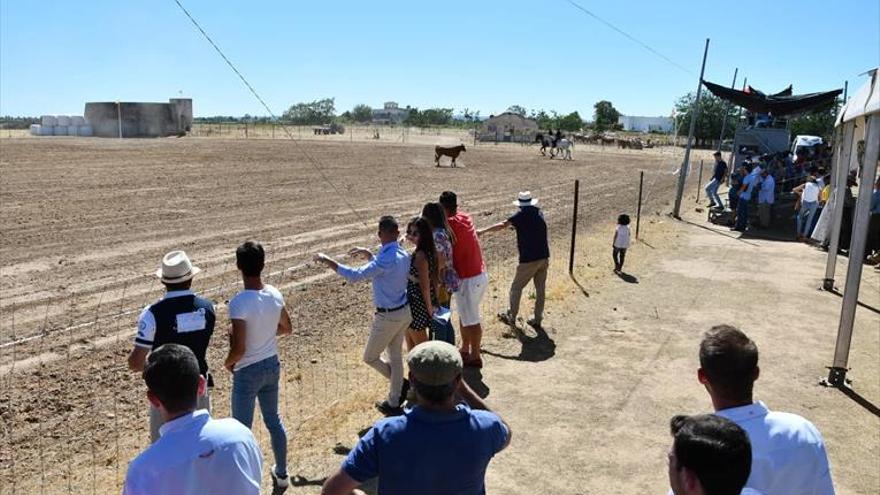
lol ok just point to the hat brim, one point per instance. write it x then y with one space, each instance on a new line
531 202
177 280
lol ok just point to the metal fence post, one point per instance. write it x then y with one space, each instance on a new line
574 222
699 181
639 207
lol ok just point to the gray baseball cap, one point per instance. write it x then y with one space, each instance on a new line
434 362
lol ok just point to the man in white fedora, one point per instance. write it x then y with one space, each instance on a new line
534 256
180 317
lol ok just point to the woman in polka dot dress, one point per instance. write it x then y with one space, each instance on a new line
421 288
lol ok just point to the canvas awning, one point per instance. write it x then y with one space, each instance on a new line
779 104
864 102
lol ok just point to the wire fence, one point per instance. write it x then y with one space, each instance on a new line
73 415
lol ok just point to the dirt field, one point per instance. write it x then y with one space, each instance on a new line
85 222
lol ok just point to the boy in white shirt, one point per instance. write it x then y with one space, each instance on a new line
621 242
258 315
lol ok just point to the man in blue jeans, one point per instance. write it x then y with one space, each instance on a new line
258 315
717 179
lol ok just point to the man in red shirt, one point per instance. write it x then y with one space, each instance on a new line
467 259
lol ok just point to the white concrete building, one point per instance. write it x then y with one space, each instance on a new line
646 124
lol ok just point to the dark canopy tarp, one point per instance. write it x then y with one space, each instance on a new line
779 104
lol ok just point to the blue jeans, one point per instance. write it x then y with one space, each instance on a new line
260 381
805 217
712 192
742 214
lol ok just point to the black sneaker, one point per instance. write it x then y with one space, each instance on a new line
279 485
388 410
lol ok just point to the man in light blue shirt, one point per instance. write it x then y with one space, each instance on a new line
745 195
388 270
788 453
766 198
194 454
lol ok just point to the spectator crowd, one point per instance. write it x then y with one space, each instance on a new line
438 436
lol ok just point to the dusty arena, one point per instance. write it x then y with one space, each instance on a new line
86 221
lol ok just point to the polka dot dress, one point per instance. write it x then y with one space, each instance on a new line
420 317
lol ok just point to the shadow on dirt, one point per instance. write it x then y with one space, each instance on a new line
534 349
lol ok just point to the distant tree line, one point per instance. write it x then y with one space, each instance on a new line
10 122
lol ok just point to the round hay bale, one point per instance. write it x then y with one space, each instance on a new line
72 130
84 130
77 120
62 120
59 130
48 121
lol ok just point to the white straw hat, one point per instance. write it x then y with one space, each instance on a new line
176 268
525 199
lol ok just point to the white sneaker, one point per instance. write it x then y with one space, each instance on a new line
279 485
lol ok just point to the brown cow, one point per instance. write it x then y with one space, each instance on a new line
451 152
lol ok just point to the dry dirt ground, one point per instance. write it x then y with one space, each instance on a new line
85 222
590 402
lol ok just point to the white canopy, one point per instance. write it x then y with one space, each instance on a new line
864 102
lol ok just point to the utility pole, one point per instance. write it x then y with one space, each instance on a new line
726 112
683 172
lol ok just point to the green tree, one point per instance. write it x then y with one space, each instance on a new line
517 110
605 116
817 123
362 113
709 121
311 113
429 116
570 122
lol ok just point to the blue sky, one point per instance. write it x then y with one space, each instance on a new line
484 55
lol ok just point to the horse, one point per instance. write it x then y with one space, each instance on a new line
451 152
546 142
563 147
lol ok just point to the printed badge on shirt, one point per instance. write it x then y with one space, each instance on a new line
191 322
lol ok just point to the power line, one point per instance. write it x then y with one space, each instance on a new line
630 37
302 149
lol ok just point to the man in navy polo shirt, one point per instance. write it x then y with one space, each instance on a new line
534 256
180 317
439 447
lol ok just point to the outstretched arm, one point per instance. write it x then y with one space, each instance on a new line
493 228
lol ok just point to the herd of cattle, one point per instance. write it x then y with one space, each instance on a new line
610 140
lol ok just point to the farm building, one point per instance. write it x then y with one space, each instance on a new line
140 119
390 114
646 124
509 127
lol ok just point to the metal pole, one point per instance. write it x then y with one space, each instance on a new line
731 162
726 112
119 117
845 88
837 372
639 207
841 162
683 172
700 181
574 223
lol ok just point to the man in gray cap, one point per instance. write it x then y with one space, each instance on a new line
441 446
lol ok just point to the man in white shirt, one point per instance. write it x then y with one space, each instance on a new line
195 454
788 453
258 315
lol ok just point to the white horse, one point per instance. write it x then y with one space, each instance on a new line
563 148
